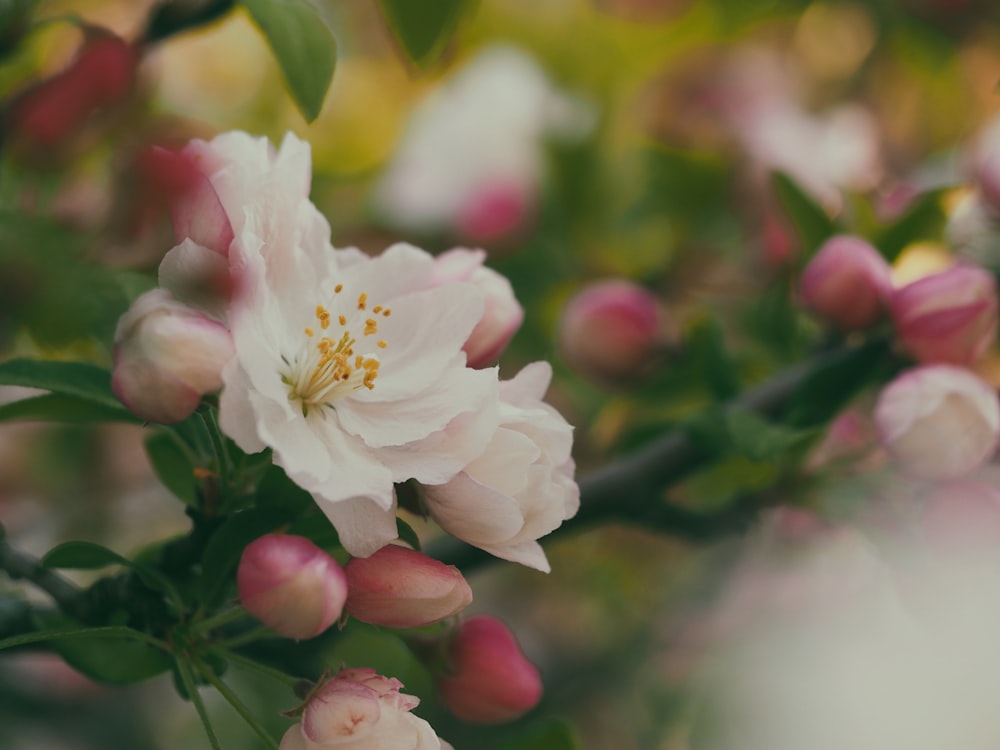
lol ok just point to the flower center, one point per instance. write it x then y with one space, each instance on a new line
331 365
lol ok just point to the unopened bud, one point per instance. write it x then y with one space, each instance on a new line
502 314
938 421
612 331
402 588
495 212
491 681
167 356
291 585
846 283
949 316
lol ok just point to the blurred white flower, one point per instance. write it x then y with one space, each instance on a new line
472 161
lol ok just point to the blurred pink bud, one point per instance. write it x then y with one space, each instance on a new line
494 213
399 587
938 421
291 585
611 330
846 282
502 315
949 316
490 682
963 517
167 356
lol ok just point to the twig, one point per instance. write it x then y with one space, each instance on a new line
22 566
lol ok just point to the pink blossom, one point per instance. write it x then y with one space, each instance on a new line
291 585
949 316
401 588
167 356
489 680
846 282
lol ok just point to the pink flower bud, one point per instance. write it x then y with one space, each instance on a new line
495 212
949 316
491 682
167 356
846 283
611 330
502 314
291 585
402 588
938 421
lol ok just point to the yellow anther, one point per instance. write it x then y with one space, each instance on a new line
386 313
338 289
370 327
343 320
382 344
377 309
323 316
309 331
358 361
362 300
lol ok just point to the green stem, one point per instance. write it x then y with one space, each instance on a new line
230 615
249 637
108 631
256 666
184 669
222 457
237 704
20 565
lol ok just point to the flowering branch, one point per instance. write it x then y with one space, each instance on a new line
19 565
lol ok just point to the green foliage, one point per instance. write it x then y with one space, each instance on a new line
120 660
81 556
420 27
924 218
546 734
809 218
54 407
304 46
173 466
87 382
407 534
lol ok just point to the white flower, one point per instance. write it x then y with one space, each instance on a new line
362 710
479 136
521 487
351 370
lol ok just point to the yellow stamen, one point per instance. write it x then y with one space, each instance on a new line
386 313
343 320
362 300
338 289
370 327
382 344
309 331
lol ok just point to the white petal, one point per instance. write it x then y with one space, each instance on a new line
530 554
364 527
473 512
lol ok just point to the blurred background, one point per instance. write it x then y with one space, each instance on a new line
686 149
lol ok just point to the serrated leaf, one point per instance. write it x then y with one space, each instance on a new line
421 27
53 407
113 661
809 218
223 551
172 466
81 556
85 381
304 46
546 734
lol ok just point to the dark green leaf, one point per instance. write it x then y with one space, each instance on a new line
54 407
809 218
707 344
85 381
407 534
81 556
830 387
223 551
114 661
173 467
546 734
303 45
923 220
316 527
421 27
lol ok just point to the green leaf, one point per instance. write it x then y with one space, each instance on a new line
53 407
422 27
223 551
407 534
104 657
760 440
707 345
303 45
832 384
173 467
809 218
546 734
85 381
924 219
81 556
